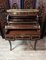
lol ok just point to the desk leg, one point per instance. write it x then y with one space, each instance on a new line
10 45
35 44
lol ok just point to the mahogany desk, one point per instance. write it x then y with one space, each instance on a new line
22 24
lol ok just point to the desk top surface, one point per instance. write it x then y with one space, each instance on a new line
22 10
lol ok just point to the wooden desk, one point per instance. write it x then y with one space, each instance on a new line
22 24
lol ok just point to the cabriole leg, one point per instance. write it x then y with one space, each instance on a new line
35 44
10 45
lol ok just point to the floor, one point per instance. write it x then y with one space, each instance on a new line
22 50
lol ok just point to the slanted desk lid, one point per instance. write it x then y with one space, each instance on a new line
22 12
